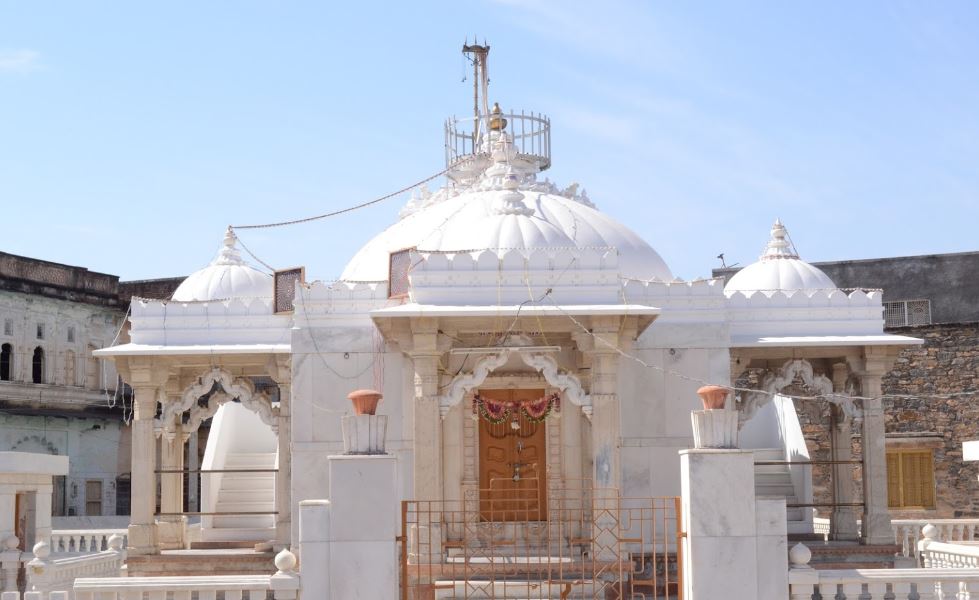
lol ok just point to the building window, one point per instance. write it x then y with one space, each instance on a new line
910 479
123 487
71 334
38 365
6 361
93 498
8 326
40 331
903 313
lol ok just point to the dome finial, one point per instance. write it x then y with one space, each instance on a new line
779 246
229 255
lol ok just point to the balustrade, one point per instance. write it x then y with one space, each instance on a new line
284 585
83 541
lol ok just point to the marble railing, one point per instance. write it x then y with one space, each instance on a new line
806 583
908 531
934 553
881 584
46 574
284 585
84 541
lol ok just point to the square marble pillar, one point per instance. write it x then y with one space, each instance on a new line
363 523
719 518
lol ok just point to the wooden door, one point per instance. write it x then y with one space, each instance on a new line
512 463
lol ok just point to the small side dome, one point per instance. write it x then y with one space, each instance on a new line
228 276
779 269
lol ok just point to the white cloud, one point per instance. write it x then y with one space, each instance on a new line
19 61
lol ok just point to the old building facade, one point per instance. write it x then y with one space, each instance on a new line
55 396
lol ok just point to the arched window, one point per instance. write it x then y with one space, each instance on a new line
38 365
6 362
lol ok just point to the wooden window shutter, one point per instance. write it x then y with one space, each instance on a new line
893 480
910 479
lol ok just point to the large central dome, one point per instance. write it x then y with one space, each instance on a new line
528 217
499 205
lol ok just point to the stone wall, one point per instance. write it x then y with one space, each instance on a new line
947 363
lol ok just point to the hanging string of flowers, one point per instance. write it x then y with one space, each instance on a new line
497 411
538 411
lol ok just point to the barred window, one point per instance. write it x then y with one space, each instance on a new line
910 479
71 334
8 326
903 313
40 331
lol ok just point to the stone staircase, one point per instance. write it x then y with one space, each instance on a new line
196 563
853 555
244 492
775 480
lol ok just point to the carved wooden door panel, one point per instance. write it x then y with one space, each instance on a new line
512 463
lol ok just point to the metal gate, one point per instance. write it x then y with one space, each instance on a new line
592 544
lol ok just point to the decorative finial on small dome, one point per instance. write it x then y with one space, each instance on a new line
497 122
229 255
779 246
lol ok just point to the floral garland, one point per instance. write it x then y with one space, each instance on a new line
537 412
500 412
493 412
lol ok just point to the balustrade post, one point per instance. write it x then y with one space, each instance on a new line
10 563
285 582
901 590
877 590
39 568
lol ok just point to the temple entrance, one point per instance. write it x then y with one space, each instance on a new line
512 456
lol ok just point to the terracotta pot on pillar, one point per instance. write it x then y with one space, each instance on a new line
365 401
364 432
713 396
714 427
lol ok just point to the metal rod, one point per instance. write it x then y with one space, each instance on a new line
216 471
814 504
809 462
217 513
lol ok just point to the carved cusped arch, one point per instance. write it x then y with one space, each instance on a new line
229 388
569 385
774 382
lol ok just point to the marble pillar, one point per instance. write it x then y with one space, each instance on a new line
427 429
362 527
171 527
193 464
843 519
42 513
142 529
283 477
720 550
605 423
876 518
452 466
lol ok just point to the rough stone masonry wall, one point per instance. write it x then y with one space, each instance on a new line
947 363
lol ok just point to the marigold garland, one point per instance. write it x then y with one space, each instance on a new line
500 412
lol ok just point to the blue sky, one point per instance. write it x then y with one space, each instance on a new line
132 133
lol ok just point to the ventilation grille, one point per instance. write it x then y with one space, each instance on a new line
399 267
904 313
285 288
